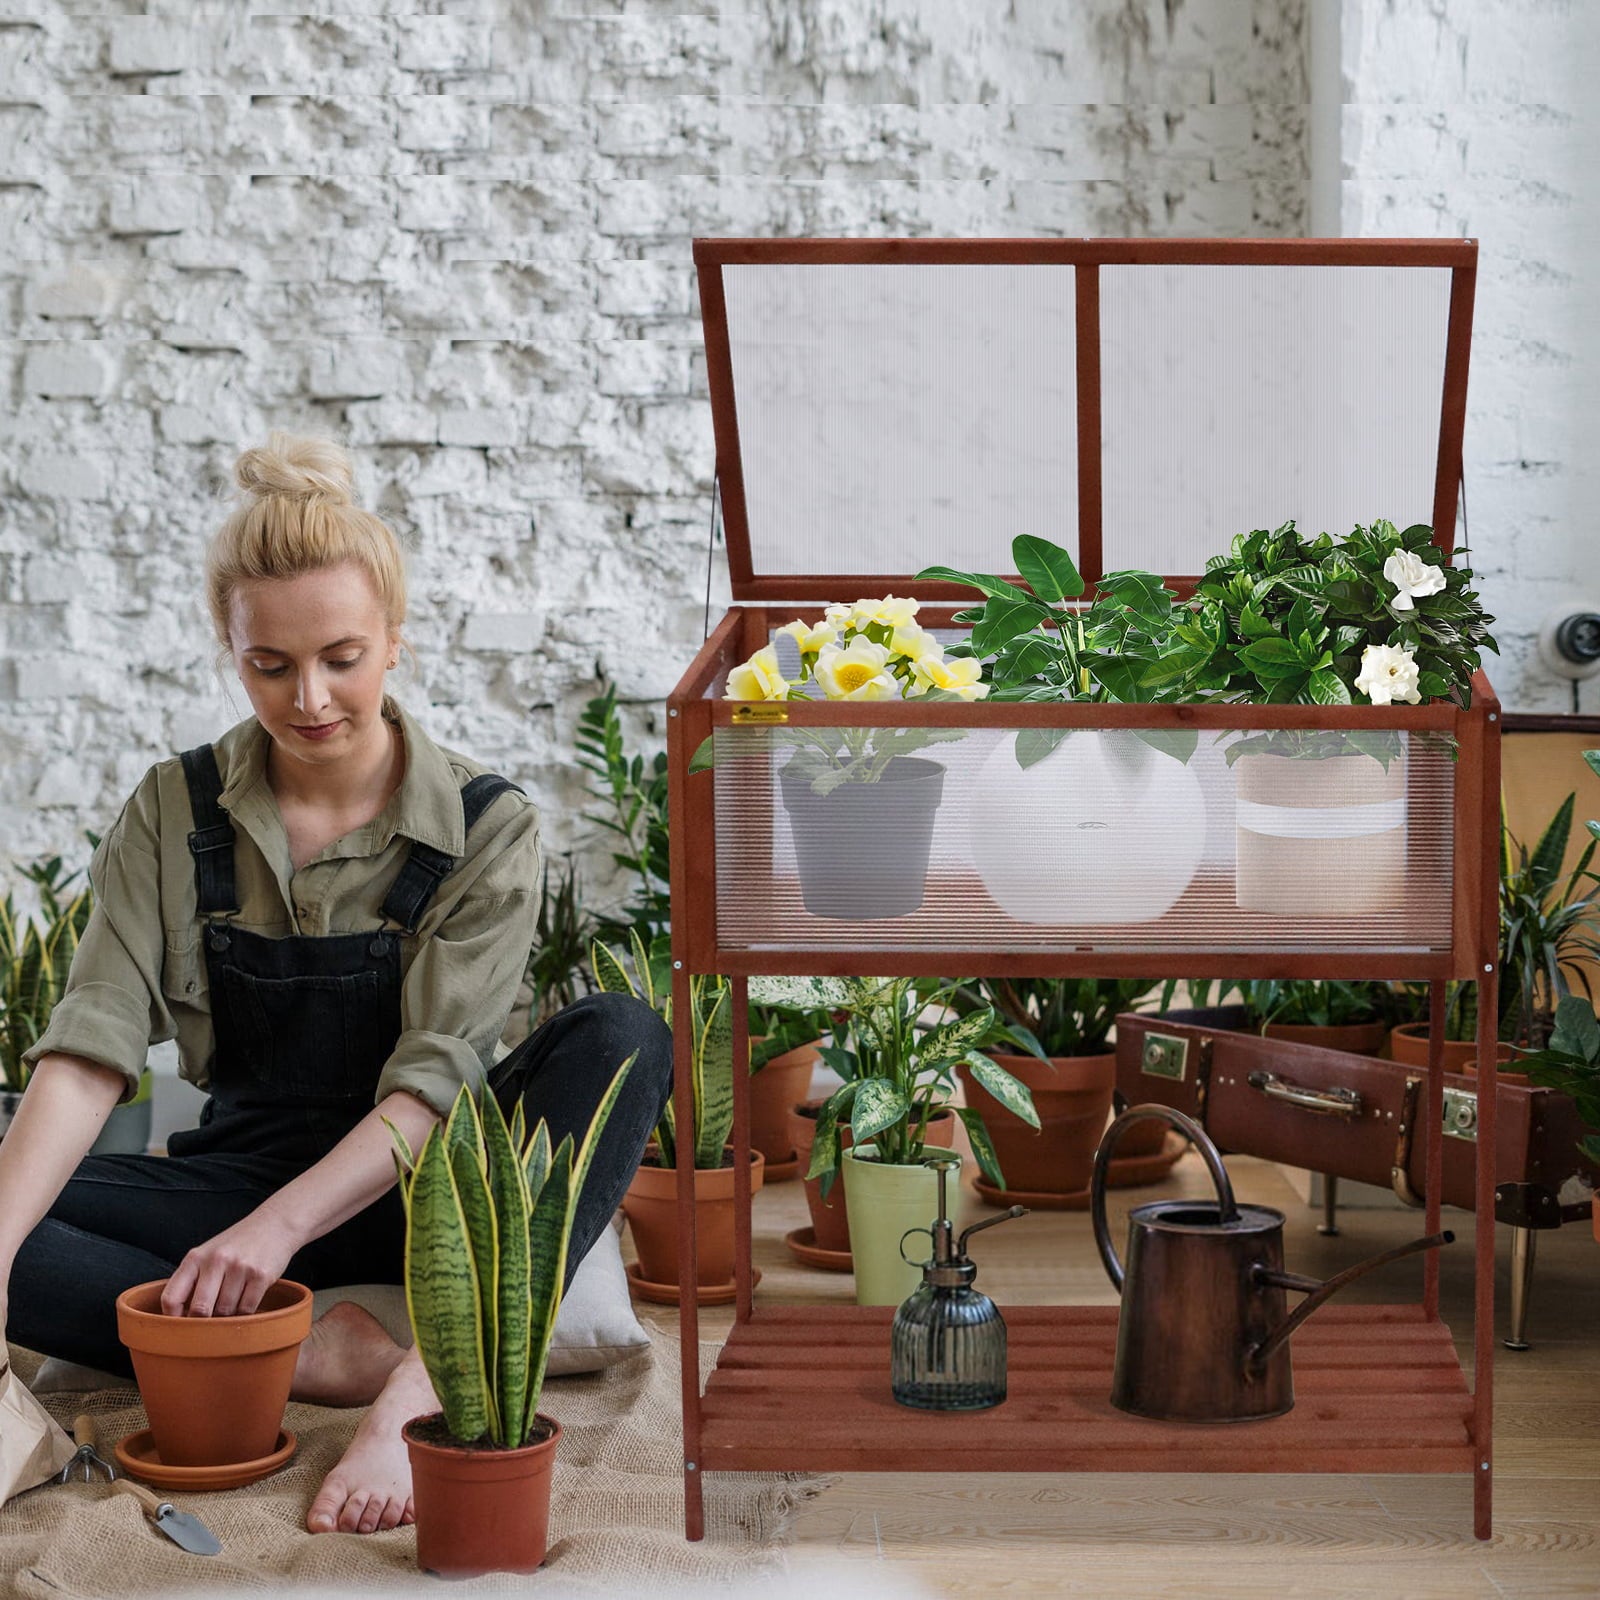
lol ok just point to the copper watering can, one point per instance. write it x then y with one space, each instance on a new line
1204 1332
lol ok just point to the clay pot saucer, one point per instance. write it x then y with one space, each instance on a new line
136 1455
706 1294
1126 1172
803 1246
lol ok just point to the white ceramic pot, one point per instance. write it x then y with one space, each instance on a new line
1103 830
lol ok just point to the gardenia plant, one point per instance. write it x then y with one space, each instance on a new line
870 650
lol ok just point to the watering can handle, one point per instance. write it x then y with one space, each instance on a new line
1192 1131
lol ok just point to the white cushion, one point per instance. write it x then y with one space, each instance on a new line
595 1327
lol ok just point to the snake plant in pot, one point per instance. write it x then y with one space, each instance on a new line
489 1212
651 1203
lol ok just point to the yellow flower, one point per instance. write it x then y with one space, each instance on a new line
896 613
838 617
758 678
856 672
960 676
810 640
913 642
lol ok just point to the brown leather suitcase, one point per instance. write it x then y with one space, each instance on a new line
1359 1117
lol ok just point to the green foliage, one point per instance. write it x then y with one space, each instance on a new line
1571 1062
35 957
489 1216
1307 1002
633 792
1063 1016
558 966
898 1069
711 1020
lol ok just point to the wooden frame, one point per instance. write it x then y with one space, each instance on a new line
1441 1428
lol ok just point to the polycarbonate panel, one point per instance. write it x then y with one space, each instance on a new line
895 417
1238 397
1105 845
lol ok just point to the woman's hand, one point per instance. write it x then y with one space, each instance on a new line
227 1275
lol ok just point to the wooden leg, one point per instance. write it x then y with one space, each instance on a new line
1483 1303
688 1301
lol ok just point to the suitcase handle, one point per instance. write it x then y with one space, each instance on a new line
1324 1102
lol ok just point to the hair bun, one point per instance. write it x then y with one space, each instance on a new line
298 467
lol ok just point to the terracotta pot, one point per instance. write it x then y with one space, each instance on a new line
214 1388
828 1218
1073 1098
1408 1044
1319 838
480 1510
1358 1038
651 1206
783 1082
1142 1139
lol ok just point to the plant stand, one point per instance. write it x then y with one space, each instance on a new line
1380 1386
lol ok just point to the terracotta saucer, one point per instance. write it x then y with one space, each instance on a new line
780 1171
1127 1173
804 1248
706 1294
136 1455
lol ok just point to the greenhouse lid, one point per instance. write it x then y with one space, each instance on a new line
881 406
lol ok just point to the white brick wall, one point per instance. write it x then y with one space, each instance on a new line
1473 119
459 240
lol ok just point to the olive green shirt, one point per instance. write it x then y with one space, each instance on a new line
139 975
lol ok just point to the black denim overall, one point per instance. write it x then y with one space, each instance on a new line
303 1024
303 1028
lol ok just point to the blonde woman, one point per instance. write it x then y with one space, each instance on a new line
331 915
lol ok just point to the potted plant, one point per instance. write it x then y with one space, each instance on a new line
1376 618
1337 1014
1570 1062
651 1202
1548 927
1115 820
783 1055
489 1211
1070 1074
35 958
861 805
899 1074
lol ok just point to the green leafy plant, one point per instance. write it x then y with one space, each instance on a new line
776 1030
558 964
1375 618
1064 1016
899 1071
712 1050
1037 645
1305 1002
489 1212
1570 1062
633 792
35 956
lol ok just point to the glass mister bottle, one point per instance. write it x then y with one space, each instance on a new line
947 1350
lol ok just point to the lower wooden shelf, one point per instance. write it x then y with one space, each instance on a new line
1378 1389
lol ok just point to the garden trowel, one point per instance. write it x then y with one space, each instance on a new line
179 1526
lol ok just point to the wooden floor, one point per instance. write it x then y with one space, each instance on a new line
1320 1536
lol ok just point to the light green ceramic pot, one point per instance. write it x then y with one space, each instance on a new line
882 1202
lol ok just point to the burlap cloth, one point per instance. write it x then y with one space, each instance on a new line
616 1515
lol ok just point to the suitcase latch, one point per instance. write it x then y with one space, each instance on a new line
1461 1115
1166 1055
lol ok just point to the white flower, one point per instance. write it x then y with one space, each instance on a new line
1413 577
758 678
913 642
838 617
1388 674
897 613
960 676
856 672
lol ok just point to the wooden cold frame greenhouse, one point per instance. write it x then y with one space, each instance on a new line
883 406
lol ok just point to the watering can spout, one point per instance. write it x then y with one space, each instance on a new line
1318 1293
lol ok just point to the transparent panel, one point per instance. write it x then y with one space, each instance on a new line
1239 397
1105 845
894 417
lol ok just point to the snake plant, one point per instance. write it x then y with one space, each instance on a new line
489 1211
711 1009
34 960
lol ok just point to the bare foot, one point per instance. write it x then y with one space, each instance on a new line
370 1489
346 1358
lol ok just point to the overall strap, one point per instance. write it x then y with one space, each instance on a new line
211 843
425 868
